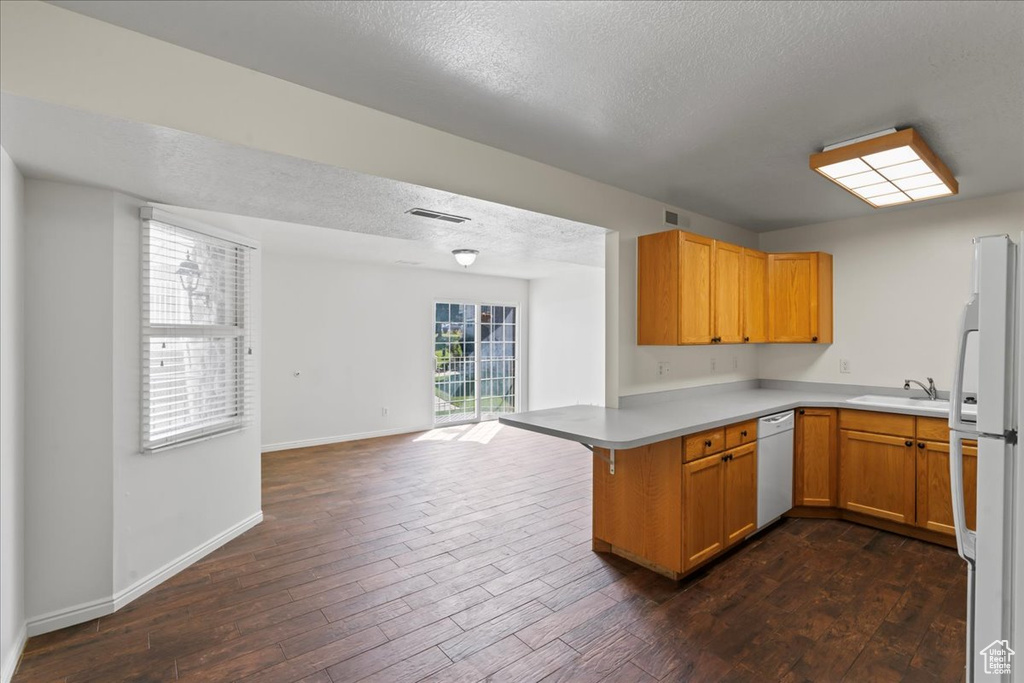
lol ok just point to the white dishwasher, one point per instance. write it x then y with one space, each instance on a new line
774 467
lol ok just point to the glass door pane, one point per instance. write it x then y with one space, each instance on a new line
498 341
455 390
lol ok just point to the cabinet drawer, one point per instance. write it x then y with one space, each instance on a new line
740 434
932 429
705 443
877 423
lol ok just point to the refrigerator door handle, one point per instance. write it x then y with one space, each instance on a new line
966 540
968 324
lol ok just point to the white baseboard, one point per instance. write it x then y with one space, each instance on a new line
100 608
10 663
322 441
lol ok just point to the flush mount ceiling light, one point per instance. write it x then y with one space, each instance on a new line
465 257
886 168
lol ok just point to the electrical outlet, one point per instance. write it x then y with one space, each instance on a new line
844 366
383 412
663 368
714 366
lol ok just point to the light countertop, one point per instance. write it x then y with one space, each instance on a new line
621 428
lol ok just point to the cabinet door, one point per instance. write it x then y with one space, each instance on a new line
815 461
695 300
727 306
934 498
638 508
703 488
877 475
792 297
755 296
740 476
657 288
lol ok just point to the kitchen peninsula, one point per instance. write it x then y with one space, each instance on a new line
675 476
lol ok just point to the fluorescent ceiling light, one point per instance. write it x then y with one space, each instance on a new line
876 190
929 192
923 180
905 170
863 166
891 157
860 180
889 199
844 168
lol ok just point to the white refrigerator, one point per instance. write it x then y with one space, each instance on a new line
994 551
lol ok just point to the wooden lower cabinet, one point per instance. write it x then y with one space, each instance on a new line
638 509
719 503
703 509
740 497
815 458
934 495
878 475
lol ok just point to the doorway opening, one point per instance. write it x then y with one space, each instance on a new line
475 362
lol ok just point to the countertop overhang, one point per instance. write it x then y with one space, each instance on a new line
624 428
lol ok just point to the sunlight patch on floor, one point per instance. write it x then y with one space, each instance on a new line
481 432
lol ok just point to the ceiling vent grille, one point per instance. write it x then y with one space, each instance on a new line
438 216
674 220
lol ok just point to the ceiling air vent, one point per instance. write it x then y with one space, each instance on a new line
438 216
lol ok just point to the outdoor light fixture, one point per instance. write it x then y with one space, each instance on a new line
465 257
886 168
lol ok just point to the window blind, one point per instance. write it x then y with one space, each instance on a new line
196 350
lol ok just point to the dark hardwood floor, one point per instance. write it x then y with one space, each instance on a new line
440 558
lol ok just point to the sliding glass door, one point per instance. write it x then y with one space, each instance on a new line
475 362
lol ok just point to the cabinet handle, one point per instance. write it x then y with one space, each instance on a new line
743 433
801 411
707 444
746 339
920 444
814 339
908 443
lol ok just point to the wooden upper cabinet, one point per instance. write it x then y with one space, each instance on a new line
674 298
657 288
815 458
727 305
800 297
755 296
703 507
695 290
877 475
934 495
740 502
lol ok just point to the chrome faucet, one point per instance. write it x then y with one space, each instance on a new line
933 393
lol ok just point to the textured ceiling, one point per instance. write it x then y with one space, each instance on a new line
173 167
711 106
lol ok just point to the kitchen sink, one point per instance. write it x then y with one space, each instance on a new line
939 407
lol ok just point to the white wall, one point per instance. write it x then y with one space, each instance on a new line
104 522
12 416
361 338
900 281
58 56
566 339
69 369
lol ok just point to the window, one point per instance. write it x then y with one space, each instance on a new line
196 351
